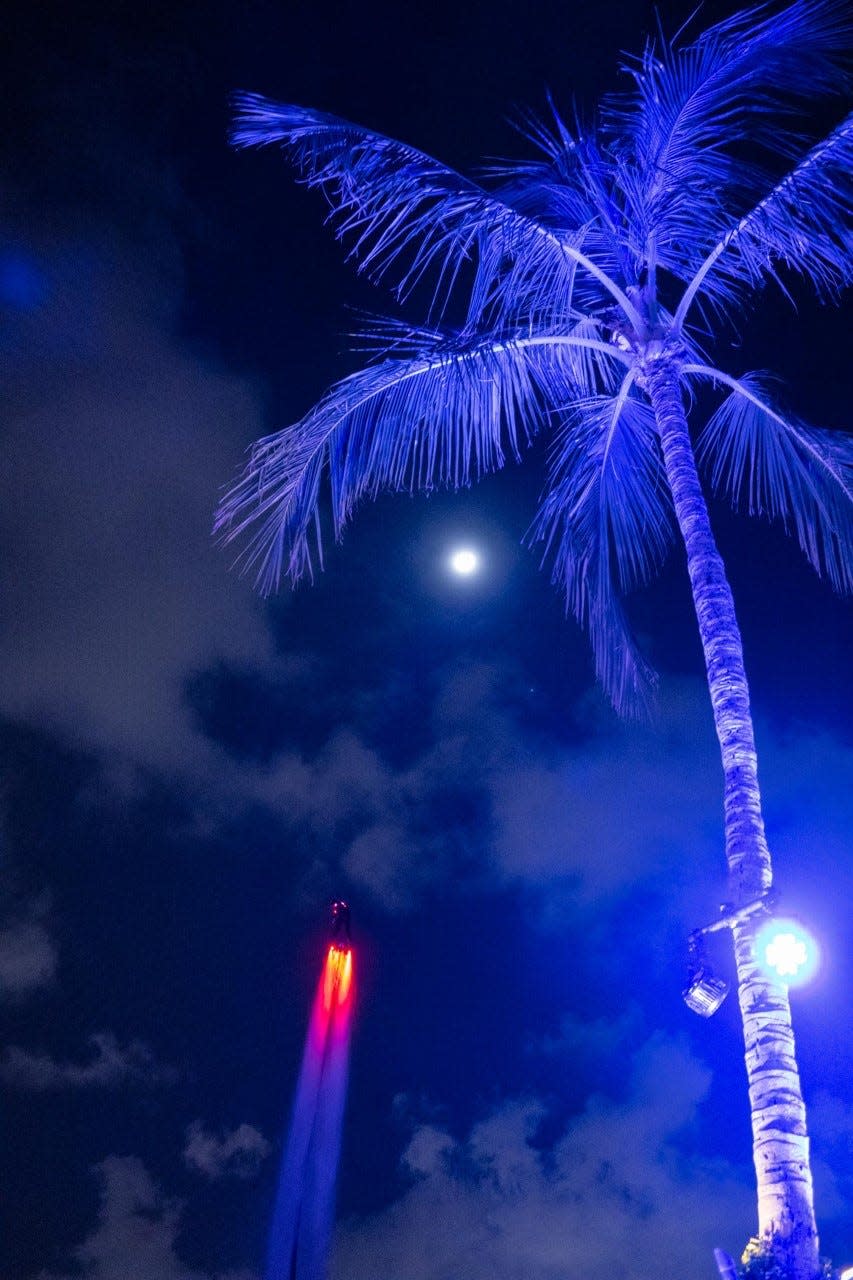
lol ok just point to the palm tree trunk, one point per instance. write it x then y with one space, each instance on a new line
786 1221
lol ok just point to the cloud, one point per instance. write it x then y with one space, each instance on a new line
427 1150
28 954
117 439
808 800
383 818
345 782
615 1195
831 1128
511 806
136 1232
238 1153
586 1042
643 793
517 808
109 1066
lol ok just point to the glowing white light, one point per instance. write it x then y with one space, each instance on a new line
786 954
786 951
464 562
846 1273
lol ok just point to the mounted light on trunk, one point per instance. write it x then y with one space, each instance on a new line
704 992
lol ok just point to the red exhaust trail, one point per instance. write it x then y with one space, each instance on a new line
305 1203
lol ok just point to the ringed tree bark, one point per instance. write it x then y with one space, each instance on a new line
786 1217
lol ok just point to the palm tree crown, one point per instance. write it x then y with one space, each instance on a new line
615 249
587 282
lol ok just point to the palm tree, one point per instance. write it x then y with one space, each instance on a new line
584 286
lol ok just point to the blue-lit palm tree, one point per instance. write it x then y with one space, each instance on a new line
586 285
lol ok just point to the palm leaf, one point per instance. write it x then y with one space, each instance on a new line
442 418
606 524
693 105
774 466
580 184
803 222
406 211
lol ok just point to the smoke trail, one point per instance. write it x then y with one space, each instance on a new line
318 1210
305 1203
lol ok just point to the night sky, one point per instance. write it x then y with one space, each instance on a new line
189 774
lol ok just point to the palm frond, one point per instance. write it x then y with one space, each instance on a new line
771 465
536 289
551 138
443 418
580 184
606 524
402 209
743 77
381 337
804 222
591 360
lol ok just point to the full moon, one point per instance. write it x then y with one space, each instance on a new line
464 562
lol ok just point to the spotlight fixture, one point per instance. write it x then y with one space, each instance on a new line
704 992
784 949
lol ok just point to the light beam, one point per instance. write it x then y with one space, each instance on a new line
305 1204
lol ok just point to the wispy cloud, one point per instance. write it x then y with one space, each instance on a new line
116 442
237 1153
135 1237
108 1065
831 1128
619 804
28 953
615 1195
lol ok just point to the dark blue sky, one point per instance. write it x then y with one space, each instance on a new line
189 774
